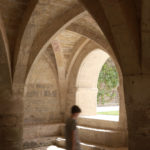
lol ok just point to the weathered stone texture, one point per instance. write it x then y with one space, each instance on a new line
43 45
41 98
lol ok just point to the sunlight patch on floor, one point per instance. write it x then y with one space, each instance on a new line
54 148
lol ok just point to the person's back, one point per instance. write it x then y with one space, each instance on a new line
72 140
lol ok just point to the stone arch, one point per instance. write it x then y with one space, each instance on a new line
5 63
122 33
41 38
96 36
5 53
86 82
44 38
72 89
9 105
35 38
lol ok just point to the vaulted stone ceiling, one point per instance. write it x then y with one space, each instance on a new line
29 26
67 41
12 13
28 22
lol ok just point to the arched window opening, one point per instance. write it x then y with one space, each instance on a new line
108 95
97 87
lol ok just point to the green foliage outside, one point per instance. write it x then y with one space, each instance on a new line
107 82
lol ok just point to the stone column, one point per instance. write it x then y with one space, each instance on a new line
10 105
137 98
86 98
10 120
122 112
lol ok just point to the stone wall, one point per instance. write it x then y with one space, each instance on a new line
41 100
41 103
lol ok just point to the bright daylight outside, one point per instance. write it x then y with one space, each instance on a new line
108 96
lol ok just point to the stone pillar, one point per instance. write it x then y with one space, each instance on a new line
10 120
122 111
137 98
70 101
86 98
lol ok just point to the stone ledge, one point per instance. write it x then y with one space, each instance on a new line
98 123
85 146
102 136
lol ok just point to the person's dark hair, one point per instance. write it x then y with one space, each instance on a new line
75 109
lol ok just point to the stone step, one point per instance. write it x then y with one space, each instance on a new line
41 130
52 147
102 136
38 142
98 123
60 142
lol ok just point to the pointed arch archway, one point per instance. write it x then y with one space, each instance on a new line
82 83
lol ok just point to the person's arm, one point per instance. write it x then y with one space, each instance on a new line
73 134
73 140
